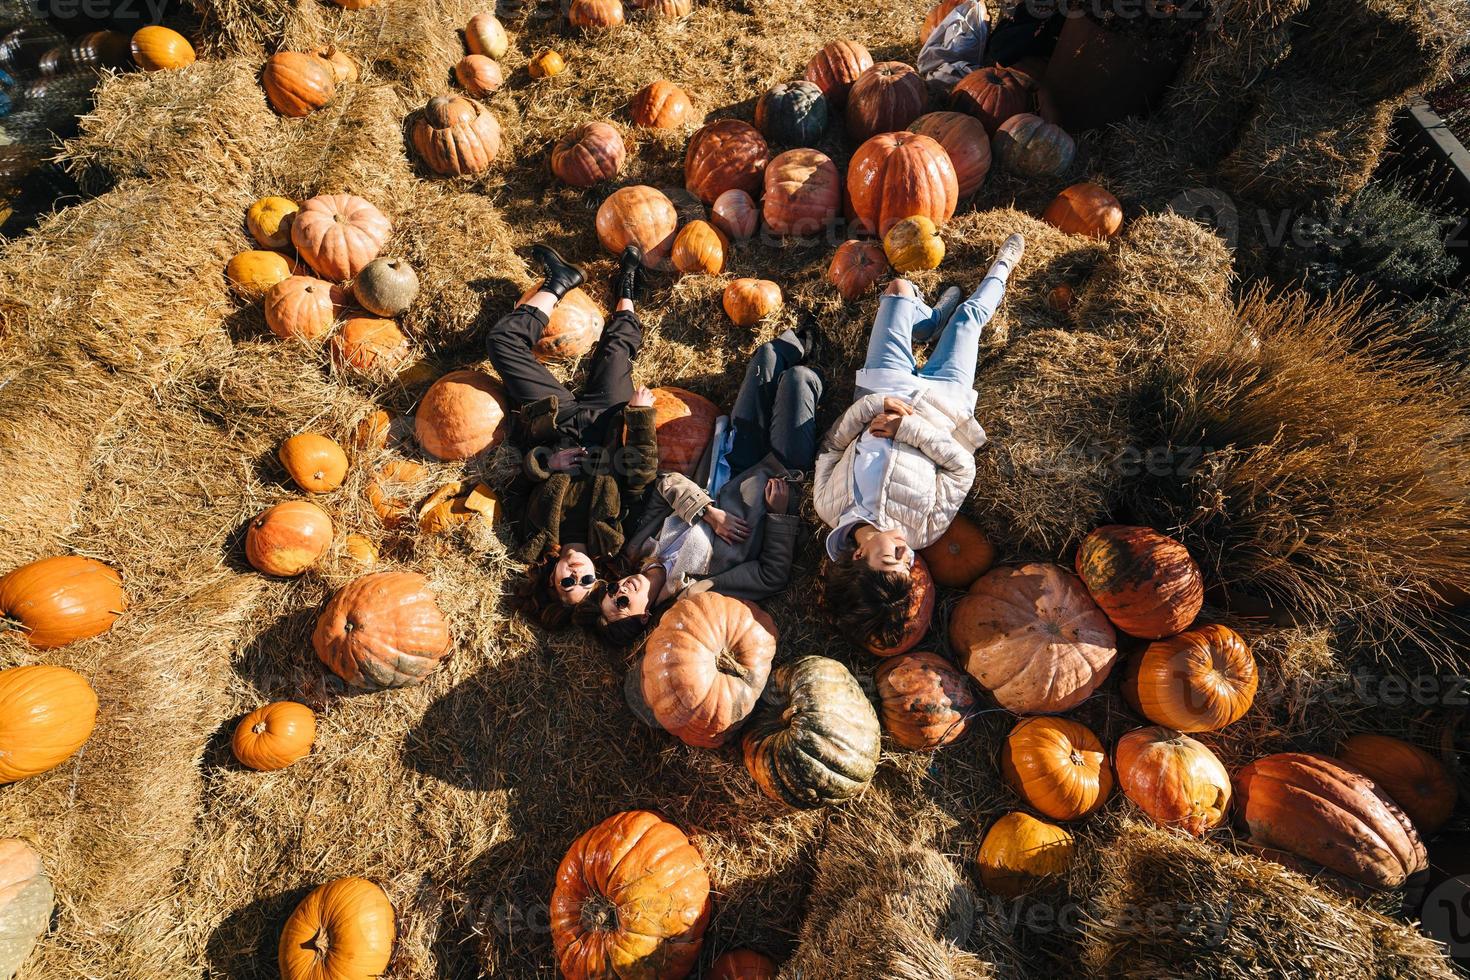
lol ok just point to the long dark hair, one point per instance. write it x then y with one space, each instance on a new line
535 595
621 634
865 603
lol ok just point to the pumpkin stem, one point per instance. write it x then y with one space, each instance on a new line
318 943
727 664
599 914
258 728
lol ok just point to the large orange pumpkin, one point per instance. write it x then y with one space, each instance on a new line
638 215
685 423
158 48
303 307
1173 778
456 136
748 301
705 665
1057 766
885 99
925 701
856 267
382 630
1199 681
922 595
27 901
343 930
661 105
253 272
722 155
734 213
1315 808
631 900
1019 853
897 175
298 84
46 714
742 964
589 154
461 415
287 539
594 16
1085 209
370 345
1416 780
995 94
964 139
1146 582
700 248
338 234
274 736
962 554
1032 638
314 462
58 600
573 329
836 67
803 193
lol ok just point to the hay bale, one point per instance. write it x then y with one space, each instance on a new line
1170 906
256 28
1388 49
1146 164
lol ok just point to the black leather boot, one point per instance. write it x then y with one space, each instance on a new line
631 274
809 333
559 275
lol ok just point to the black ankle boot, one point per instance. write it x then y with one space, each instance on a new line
631 274
809 334
559 275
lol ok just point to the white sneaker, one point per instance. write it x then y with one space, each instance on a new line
1011 251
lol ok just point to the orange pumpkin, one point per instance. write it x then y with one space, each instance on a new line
47 713
685 423
360 551
920 613
748 301
1057 766
856 268
303 307
485 35
159 49
913 245
298 84
705 665
964 140
836 67
456 136
1416 780
1019 853
734 213
381 631
803 193
631 900
343 930
723 155
288 538
461 415
269 221
385 490
994 94
1085 209
885 99
589 155
742 964
935 17
1032 638
343 68
316 463
898 175
478 75
1061 298
1173 778
252 273
594 16
274 736
573 329
962 554
339 234
368 345
1146 582
638 214
661 105
1032 147
371 433
59 600
1199 681
546 64
925 701
700 248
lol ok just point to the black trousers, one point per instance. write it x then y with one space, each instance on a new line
586 417
776 408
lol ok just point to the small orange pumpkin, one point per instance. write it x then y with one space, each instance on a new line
573 329
742 964
1085 209
62 599
343 930
456 136
638 214
685 423
1057 766
962 554
700 248
1199 681
462 415
303 307
1417 781
661 105
368 345
913 245
856 267
269 221
288 538
160 49
372 432
1173 778
274 736
480 76
748 301
316 463
546 64
588 155
47 713
595 16
339 234
384 491
1146 582
382 630
1019 853
485 35
925 701
1061 298
298 84
360 550
253 272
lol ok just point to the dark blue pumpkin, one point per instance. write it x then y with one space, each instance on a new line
792 114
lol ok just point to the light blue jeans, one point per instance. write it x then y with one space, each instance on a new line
903 321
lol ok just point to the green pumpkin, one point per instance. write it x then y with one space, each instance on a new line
792 114
26 901
814 738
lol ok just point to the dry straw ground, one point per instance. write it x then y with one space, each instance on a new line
140 406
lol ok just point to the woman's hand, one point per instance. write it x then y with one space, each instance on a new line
642 397
730 529
778 495
897 406
566 460
885 426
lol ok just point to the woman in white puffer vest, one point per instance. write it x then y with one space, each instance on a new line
894 470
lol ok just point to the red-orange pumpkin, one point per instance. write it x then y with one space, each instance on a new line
289 538
1417 781
1085 209
1198 681
963 138
685 423
700 248
734 212
1057 766
723 155
803 193
573 329
640 215
303 307
749 301
339 234
995 94
298 84
1173 778
899 175
925 701
368 345
856 267
593 16
962 554
456 136
589 155
742 964
1146 582
480 76
461 415
885 99
661 105
922 595
382 630
836 67
59 600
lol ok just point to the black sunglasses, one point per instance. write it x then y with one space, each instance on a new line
571 580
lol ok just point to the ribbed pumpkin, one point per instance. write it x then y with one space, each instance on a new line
386 286
1019 853
274 736
485 35
26 903
1085 209
303 307
339 234
253 272
1032 638
479 75
742 964
667 9
638 214
297 84
803 193
159 49
1416 780
925 701
589 154
685 423
631 900
913 245
269 221
1147 583
661 105
935 17
836 67
734 213
814 739
792 113
1315 808
856 268
344 69
1173 778
1057 766
573 329
885 99
963 138
705 665
748 301
962 554
386 491
700 248
360 551
546 63
594 16
898 175
47 713
994 94
62 599
1030 146
723 155
381 631
456 136
343 930
919 615
288 538
316 463
1199 681
461 415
